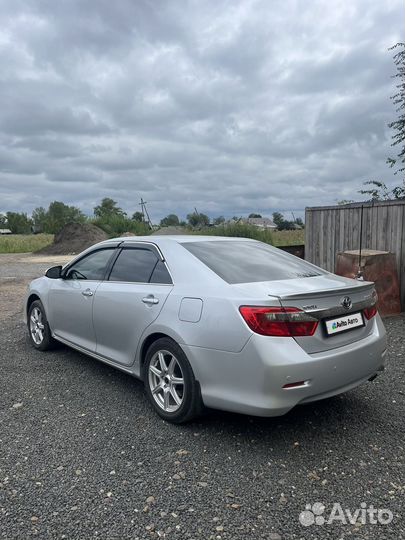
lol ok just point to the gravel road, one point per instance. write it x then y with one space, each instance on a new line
83 455
16 271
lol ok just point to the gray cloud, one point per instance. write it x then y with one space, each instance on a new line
228 106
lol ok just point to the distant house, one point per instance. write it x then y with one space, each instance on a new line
5 231
296 226
261 223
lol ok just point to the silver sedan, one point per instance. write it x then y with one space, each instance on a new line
226 323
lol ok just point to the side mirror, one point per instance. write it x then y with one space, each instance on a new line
54 272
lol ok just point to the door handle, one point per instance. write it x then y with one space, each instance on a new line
150 300
87 292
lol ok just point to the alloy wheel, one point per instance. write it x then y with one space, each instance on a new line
166 381
37 326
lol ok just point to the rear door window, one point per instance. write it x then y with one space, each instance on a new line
134 265
161 274
247 262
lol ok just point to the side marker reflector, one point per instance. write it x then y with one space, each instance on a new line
295 384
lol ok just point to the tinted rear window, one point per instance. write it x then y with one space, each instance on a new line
134 265
247 262
161 274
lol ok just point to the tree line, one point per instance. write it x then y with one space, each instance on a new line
107 215
113 220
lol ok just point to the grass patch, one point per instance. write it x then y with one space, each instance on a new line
275 238
24 243
240 230
117 225
288 238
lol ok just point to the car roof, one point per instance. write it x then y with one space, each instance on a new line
179 239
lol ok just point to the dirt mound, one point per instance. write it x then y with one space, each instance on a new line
74 238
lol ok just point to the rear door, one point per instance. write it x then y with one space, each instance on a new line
129 301
71 298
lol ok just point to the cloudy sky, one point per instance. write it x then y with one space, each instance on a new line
227 106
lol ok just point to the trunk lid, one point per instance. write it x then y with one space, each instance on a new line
321 297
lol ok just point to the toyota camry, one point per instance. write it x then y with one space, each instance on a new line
225 323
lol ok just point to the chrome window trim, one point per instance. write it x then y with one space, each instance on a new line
129 243
139 283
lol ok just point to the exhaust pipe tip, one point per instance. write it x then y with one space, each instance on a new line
378 372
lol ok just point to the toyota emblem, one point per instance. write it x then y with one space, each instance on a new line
347 302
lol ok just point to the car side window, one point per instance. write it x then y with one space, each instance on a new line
134 265
161 274
92 266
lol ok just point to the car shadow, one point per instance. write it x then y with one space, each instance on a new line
334 417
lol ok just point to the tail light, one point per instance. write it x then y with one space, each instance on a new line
370 312
279 321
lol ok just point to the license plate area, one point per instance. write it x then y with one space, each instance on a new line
344 323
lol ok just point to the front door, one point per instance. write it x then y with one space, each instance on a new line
70 301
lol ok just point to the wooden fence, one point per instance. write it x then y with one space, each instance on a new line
330 229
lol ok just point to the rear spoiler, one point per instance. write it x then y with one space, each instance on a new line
366 286
369 299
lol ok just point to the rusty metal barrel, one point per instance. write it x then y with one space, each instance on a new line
377 266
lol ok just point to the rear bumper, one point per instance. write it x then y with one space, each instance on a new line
251 382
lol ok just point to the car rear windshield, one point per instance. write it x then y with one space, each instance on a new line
247 262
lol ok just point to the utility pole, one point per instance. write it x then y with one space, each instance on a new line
145 213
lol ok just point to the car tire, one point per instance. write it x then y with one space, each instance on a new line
170 383
38 327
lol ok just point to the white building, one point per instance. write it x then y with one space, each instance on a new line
261 223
